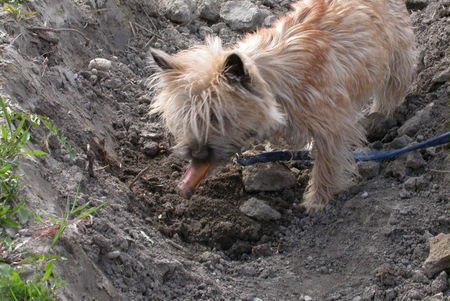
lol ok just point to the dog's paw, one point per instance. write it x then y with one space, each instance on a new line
313 203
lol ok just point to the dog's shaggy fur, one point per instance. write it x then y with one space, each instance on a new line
307 77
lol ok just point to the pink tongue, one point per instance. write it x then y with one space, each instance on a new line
192 178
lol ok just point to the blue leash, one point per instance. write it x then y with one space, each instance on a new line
304 155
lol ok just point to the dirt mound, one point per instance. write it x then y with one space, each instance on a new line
149 243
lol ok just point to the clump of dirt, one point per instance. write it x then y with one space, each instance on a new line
149 243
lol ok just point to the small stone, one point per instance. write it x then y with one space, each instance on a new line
205 31
419 276
210 10
112 83
396 169
377 125
368 170
241 15
151 148
262 250
412 125
218 26
413 294
400 142
259 210
439 257
269 20
239 248
440 284
307 298
416 183
404 194
414 161
357 298
442 77
270 177
365 194
180 11
386 275
437 297
100 64
113 254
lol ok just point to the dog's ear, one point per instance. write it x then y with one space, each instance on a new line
234 70
162 59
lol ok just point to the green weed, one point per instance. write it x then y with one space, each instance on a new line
15 9
73 214
41 286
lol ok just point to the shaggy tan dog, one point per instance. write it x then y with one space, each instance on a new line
307 77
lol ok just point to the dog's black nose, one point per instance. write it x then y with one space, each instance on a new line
201 153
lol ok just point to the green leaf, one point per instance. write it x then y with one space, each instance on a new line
5 270
34 153
9 222
48 270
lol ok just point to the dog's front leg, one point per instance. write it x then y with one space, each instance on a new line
333 165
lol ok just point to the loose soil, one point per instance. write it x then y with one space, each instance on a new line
149 243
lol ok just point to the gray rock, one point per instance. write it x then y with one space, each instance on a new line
377 125
439 257
218 26
442 77
204 31
400 142
151 148
269 20
396 169
271 177
112 83
262 250
437 297
180 11
416 183
412 125
241 15
259 210
368 170
113 254
440 284
414 161
210 10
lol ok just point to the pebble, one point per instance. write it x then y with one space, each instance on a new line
440 284
368 170
437 297
210 10
179 11
365 194
100 64
151 148
113 254
416 183
270 177
439 257
400 142
377 125
241 15
414 161
412 125
259 210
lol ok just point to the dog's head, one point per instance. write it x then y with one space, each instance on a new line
212 100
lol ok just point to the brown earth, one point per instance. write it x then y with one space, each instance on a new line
149 243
